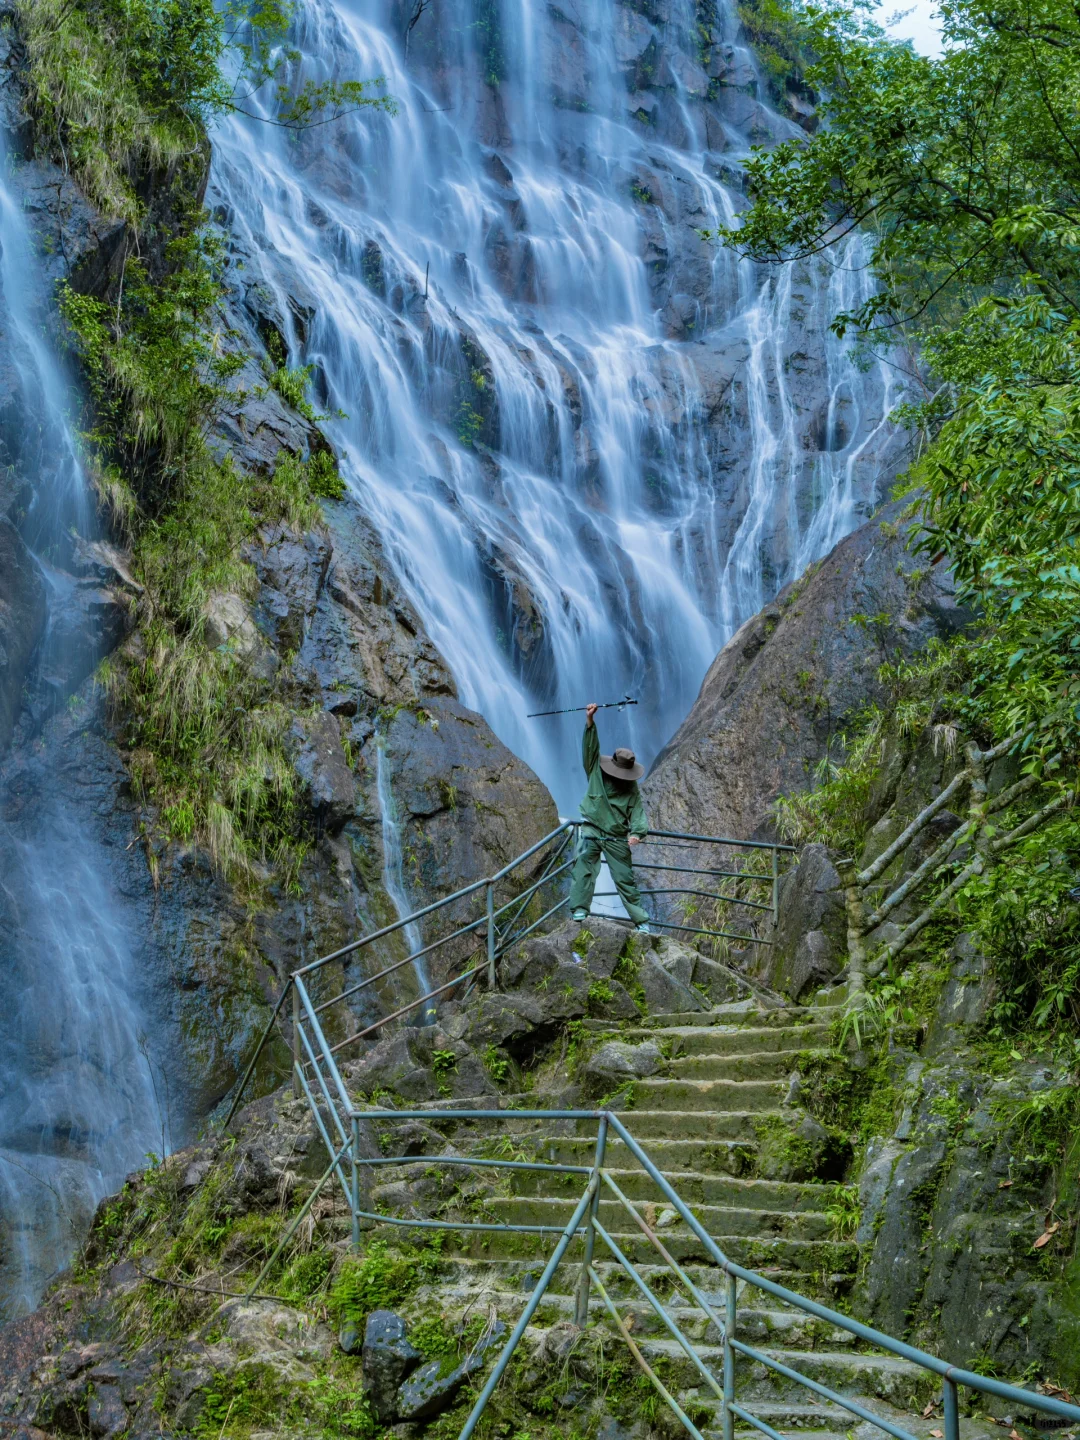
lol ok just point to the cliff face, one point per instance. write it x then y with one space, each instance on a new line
779 696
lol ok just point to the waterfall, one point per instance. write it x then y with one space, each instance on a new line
79 1103
593 442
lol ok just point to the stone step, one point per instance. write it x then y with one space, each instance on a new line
772 1256
849 1373
806 1421
555 1211
811 1419
758 1065
729 1040
789 1329
710 1157
648 1122
697 1095
693 1188
737 1015
516 1275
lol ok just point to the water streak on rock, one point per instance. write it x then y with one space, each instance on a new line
79 1106
393 872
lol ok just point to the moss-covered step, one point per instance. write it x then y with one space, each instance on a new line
693 1187
760 1065
735 1015
693 1095
717 1219
728 1157
809 1263
727 1040
648 1121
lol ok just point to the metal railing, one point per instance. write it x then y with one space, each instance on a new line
510 900
585 1226
338 1119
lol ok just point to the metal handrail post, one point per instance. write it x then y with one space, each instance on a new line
581 1294
296 1057
729 1359
491 935
775 886
530 1309
951 1406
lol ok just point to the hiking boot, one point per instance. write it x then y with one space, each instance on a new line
644 929
580 915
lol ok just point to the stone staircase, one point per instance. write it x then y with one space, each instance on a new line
728 1070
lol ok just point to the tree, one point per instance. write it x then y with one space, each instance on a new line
964 172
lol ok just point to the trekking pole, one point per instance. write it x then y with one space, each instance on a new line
608 705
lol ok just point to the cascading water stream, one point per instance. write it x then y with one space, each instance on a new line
79 1106
393 872
592 443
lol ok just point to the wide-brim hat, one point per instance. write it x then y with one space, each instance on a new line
622 765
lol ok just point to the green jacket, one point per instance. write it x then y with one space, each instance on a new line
612 806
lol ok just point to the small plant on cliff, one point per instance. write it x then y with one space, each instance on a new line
496 1063
207 735
843 1212
378 1281
832 811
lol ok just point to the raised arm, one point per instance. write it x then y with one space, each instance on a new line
590 741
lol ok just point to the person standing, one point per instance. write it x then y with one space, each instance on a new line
614 821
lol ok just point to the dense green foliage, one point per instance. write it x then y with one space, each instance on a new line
774 33
964 172
125 89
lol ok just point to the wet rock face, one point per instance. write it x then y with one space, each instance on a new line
951 1206
22 622
781 691
466 804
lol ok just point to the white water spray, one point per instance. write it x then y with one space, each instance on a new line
79 1103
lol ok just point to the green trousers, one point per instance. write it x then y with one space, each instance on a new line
592 848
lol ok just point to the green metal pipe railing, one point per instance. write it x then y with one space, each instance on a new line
335 1111
498 940
584 1222
664 1392
530 1309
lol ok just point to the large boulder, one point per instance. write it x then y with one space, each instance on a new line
777 697
420 1064
388 1358
616 1061
665 992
